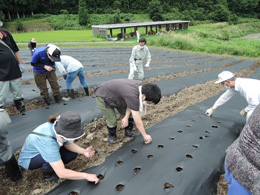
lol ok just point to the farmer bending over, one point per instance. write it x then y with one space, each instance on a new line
130 98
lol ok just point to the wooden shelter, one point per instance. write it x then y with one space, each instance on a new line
169 25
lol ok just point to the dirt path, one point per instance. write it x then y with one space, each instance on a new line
255 36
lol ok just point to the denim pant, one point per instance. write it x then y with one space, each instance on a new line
72 75
37 161
234 187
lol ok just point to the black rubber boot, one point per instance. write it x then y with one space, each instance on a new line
71 93
50 176
20 105
12 169
111 134
129 129
47 100
86 91
57 98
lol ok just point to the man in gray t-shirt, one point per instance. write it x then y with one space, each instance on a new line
129 97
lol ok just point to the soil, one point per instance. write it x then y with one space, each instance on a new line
32 182
254 36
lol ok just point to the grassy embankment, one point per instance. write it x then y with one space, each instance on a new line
220 38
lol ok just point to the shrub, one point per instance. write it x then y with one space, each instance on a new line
233 19
19 25
115 18
220 13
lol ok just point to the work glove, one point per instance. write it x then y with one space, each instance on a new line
209 112
243 113
65 76
147 65
22 68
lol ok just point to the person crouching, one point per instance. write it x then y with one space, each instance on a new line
50 146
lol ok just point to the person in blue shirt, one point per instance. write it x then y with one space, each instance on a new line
50 146
43 62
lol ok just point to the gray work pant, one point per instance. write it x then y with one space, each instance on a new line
14 86
140 69
5 146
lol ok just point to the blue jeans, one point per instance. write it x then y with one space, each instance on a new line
234 187
72 75
37 161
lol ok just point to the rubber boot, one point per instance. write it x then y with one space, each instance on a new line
71 93
57 98
129 129
47 100
50 176
86 91
12 169
111 134
20 105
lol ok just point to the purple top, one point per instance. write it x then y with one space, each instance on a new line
243 156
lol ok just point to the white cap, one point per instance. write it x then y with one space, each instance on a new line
225 75
54 52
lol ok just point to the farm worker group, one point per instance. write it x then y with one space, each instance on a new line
51 145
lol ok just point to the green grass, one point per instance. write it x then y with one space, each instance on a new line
57 36
220 38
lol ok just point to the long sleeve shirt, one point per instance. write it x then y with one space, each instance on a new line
248 88
68 64
139 54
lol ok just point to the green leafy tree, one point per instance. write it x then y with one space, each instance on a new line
83 13
220 13
155 10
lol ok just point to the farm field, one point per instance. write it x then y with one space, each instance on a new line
186 80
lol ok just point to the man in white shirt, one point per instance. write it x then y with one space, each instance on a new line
248 88
139 53
70 68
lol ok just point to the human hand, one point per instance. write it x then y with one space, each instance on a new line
124 122
92 178
65 76
88 152
147 65
147 139
48 68
209 112
243 113
22 68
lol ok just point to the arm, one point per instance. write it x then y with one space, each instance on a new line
62 172
132 58
140 126
60 68
125 119
18 57
148 56
224 98
252 103
88 152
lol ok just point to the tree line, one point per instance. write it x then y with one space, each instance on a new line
200 9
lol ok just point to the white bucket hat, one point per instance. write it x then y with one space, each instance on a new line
225 75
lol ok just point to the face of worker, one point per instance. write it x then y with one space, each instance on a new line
145 102
142 44
49 56
227 84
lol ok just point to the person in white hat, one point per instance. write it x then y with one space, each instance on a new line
50 146
248 88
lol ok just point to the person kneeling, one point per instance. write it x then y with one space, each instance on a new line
50 146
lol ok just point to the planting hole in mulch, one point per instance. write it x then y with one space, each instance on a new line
120 187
